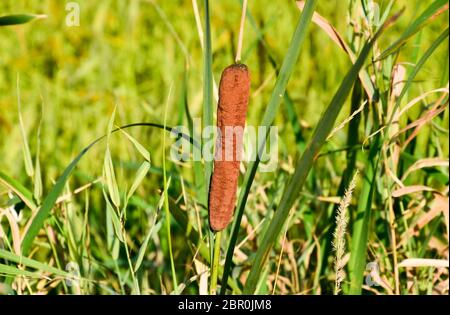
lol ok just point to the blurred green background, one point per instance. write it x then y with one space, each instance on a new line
128 54
132 53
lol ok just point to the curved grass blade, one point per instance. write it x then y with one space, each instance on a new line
337 38
108 168
357 98
37 164
304 164
152 231
32 263
360 234
140 175
25 147
416 69
166 201
19 19
21 191
114 217
43 212
292 116
207 89
208 118
110 179
435 9
142 150
277 95
199 179
13 271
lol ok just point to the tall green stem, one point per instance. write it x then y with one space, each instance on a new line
166 206
215 264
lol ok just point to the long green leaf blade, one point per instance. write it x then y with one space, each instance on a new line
49 202
19 19
25 147
13 271
433 10
277 95
360 235
21 191
31 263
207 90
304 165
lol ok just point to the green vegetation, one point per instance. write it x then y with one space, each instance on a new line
92 203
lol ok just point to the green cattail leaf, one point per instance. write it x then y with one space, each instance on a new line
115 249
357 261
360 233
110 179
14 271
37 180
21 191
276 97
31 263
108 167
110 237
427 16
142 150
37 165
140 175
50 199
111 124
306 161
208 106
114 219
19 19
152 232
25 148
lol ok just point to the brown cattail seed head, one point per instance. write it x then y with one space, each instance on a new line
234 92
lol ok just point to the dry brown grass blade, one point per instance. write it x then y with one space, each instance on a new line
410 189
441 287
69 195
330 30
418 99
439 205
398 80
439 246
418 124
438 108
203 274
347 120
423 163
13 224
424 262
439 12
335 37
443 203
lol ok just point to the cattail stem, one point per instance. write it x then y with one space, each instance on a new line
166 200
241 32
198 22
215 265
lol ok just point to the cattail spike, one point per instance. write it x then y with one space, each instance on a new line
234 92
